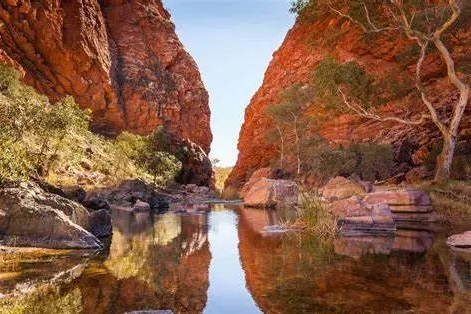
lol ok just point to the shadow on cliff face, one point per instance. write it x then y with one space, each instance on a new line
295 273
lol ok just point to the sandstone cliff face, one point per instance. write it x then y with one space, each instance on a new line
305 45
122 59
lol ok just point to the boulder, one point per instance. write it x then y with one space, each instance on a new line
399 197
74 211
462 241
351 207
31 217
100 223
257 175
341 188
271 193
356 216
127 194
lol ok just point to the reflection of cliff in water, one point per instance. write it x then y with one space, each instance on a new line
155 262
295 273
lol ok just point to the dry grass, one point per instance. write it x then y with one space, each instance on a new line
314 217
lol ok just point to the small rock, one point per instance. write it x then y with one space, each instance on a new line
192 188
462 240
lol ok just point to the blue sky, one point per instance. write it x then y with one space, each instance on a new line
232 41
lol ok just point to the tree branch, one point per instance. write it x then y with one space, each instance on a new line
420 88
362 112
455 15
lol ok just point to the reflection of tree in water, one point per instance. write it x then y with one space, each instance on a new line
294 273
161 266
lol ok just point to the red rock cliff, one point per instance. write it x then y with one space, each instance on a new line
305 45
122 59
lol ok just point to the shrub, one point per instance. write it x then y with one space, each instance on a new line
56 123
369 161
31 129
326 163
54 142
148 153
375 161
329 75
14 163
162 166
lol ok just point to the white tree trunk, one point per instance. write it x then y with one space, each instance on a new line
445 159
282 147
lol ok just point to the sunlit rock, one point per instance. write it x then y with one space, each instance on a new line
31 217
341 188
271 193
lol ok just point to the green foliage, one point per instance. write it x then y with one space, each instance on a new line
306 10
130 145
14 165
147 153
161 139
375 161
314 217
161 165
290 120
32 131
54 142
461 168
325 163
56 123
369 161
330 75
294 100
43 300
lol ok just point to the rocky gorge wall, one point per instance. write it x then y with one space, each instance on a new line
309 42
121 59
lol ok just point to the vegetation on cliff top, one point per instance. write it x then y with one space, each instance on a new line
53 142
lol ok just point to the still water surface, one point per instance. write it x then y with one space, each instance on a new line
226 262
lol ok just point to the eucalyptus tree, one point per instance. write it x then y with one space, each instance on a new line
427 24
